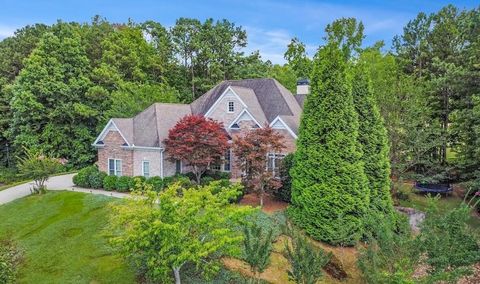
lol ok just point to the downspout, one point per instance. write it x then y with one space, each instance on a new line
161 163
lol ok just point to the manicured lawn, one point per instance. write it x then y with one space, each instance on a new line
62 239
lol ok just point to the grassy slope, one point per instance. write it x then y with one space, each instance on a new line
62 239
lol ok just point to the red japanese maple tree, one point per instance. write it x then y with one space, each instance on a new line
198 141
251 151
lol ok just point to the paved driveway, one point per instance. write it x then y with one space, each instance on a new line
63 182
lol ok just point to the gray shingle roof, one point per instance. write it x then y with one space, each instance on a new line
270 97
265 98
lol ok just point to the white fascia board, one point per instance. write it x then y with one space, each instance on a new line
279 119
240 115
104 132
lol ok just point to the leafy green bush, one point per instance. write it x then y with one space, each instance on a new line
184 181
95 179
123 184
110 183
284 193
390 255
213 175
206 180
141 178
448 242
10 257
9 175
156 182
82 178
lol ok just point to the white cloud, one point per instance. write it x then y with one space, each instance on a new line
310 19
271 43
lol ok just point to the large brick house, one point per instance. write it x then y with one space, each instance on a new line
134 146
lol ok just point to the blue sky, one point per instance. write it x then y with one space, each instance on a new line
270 24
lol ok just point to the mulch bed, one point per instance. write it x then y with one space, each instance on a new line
270 203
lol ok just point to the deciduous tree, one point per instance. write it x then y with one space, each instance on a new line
251 151
198 141
164 231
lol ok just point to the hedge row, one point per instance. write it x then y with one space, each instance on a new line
92 177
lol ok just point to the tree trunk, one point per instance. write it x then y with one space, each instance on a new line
261 198
199 178
176 272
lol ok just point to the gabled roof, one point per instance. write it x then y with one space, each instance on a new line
270 95
265 99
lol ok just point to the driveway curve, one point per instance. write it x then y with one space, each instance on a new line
63 182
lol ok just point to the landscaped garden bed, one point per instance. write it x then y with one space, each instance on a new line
92 177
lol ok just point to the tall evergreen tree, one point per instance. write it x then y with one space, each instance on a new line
373 140
329 186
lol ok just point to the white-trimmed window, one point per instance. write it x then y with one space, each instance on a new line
231 106
146 168
178 167
227 161
115 167
274 163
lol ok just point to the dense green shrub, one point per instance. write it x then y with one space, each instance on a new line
372 137
9 175
134 180
95 179
447 245
10 257
123 184
329 187
217 175
390 256
110 183
206 180
448 242
156 182
82 178
184 181
284 193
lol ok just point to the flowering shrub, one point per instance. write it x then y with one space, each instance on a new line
35 165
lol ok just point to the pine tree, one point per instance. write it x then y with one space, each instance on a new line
373 140
329 189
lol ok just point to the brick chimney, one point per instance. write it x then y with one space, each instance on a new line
303 87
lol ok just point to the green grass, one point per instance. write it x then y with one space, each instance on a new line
445 204
61 234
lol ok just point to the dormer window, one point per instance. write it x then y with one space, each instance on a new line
231 106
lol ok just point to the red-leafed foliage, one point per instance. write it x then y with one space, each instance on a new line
251 152
197 141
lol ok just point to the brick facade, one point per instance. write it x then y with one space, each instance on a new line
112 149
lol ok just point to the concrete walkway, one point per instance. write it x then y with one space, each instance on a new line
63 182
